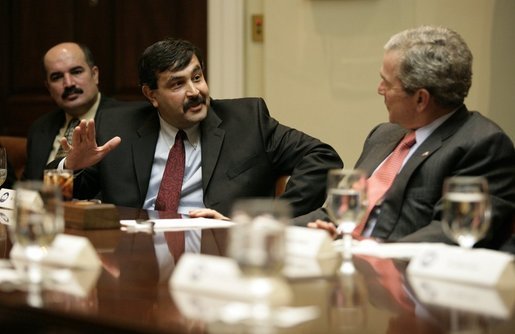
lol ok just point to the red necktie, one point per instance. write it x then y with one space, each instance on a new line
170 189
169 193
383 178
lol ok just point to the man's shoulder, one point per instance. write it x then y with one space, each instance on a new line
239 108
48 119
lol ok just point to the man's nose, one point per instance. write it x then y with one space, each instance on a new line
68 80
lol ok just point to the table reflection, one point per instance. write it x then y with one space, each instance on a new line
131 294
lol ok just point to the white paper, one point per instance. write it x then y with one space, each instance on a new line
178 224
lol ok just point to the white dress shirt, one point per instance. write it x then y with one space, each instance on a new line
191 193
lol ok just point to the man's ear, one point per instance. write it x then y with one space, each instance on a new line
149 94
423 97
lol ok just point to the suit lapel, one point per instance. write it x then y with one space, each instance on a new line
143 152
212 138
396 193
378 153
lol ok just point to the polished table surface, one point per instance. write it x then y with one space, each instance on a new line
131 294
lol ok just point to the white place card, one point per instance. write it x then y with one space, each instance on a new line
6 216
465 297
303 267
221 277
77 282
309 243
7 198
481 267
67 251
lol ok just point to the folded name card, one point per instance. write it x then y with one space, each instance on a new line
7 198
221 277
309 243
67 251
6 216
303 267
481 267
465 297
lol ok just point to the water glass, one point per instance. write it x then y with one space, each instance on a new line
466 209
38 218
257 241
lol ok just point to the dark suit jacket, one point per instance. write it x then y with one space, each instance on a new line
466 144
244 150
41 137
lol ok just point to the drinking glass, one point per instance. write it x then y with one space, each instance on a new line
38 218
466 209
3 165
346 201
257 242
62 178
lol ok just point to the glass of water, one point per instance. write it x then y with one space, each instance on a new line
346 201
38 218
466 209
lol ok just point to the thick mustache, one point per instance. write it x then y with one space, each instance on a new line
194 102
71 90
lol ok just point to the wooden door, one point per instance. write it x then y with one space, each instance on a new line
117 32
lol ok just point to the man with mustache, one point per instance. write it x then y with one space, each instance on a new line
233 148
71 78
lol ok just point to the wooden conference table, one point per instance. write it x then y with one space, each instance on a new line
130 295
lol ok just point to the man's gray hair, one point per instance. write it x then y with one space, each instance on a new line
434 58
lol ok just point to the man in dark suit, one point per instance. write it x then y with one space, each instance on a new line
72 81
425 76
234 148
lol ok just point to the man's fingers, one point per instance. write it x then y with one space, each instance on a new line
111 144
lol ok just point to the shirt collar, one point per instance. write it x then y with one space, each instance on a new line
90 114
170 132
424 132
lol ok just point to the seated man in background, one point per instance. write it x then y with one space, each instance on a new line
425 76
228 149
72 81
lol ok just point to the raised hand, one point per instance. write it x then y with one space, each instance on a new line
84 151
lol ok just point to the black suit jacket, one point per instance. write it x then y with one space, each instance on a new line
41 137
244 150
465 144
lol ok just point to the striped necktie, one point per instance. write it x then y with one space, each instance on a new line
68 134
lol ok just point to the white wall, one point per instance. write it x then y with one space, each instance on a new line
318 66
319 63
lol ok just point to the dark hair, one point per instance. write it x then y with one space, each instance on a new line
169 54
88 55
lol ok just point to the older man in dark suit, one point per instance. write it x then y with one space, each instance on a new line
232 149
425 76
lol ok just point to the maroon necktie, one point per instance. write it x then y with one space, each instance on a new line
169 193
382 179
170 189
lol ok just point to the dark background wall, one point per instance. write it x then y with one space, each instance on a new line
117 31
